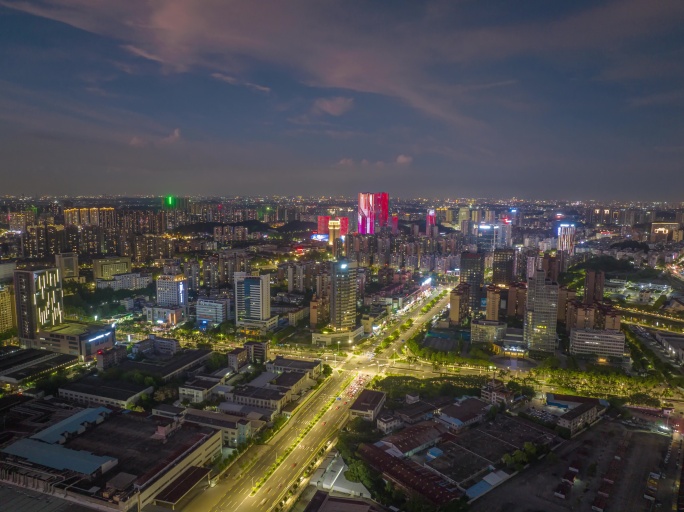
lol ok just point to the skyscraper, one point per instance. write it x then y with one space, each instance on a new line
493 303
343 295
253 301
503 267
430 220
566 238
323 221
472 273
541 313
373 210
458 304
172 290
39 300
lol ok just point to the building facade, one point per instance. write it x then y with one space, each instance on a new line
541 313
39 300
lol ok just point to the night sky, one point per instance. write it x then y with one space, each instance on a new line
572 100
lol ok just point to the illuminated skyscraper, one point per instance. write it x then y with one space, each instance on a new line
323 221
343 295
7 308
373 210
39 300
566 238
503 266
430 220
541 313
253 301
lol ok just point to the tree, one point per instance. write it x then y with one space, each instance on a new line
327 370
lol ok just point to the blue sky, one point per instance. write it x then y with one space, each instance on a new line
570 100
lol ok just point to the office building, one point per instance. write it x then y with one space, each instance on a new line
74 339
503 267
172 291
493 303
212 311
594 281
7 309
343 295
253 302
7 272
38 299
107 268
67 263
459 301
472 273
541 313
129 281
598 343
487 331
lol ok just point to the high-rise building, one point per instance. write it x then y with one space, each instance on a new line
106 268
493 303
323 221
192 274
598 343
334 233
172 291
459 301
503 267
253 301
38 299
373 210
594 281
541 313
566 238
7 309
517 300
565 296
430 220
67 263
472 272
343 295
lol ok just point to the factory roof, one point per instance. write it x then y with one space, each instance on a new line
56 456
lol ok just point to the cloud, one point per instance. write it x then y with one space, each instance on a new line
138 142
665 98
346 162
173 137
333 106
234 81
404 160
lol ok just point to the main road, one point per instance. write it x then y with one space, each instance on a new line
234 492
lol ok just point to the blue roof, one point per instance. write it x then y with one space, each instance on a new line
478 489
71 425
58 457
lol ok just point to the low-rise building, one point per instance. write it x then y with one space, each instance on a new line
267 398
75 339
413 439
345 338
236 430
463 413
312 368
297 315
258 351
575 419
197 390
487 331
111 357
598 343
168 315
495 392
212 311
93 390
368 404
128 281
237 358
388 423
156 344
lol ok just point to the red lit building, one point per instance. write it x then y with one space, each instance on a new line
373 209
323 221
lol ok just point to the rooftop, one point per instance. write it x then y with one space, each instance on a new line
114 389
56 456
75 328
578 411
295 364
289 379
259 393
70 426
368 400
418 435
162 369
465 410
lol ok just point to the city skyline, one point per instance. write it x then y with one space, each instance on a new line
427 99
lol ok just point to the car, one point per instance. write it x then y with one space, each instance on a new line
337 408
294 465
324 423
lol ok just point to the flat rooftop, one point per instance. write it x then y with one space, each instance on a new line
14 356
114 389
367 400
182 485
129 438
162 368
74 329
259 393
38 368
295 364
